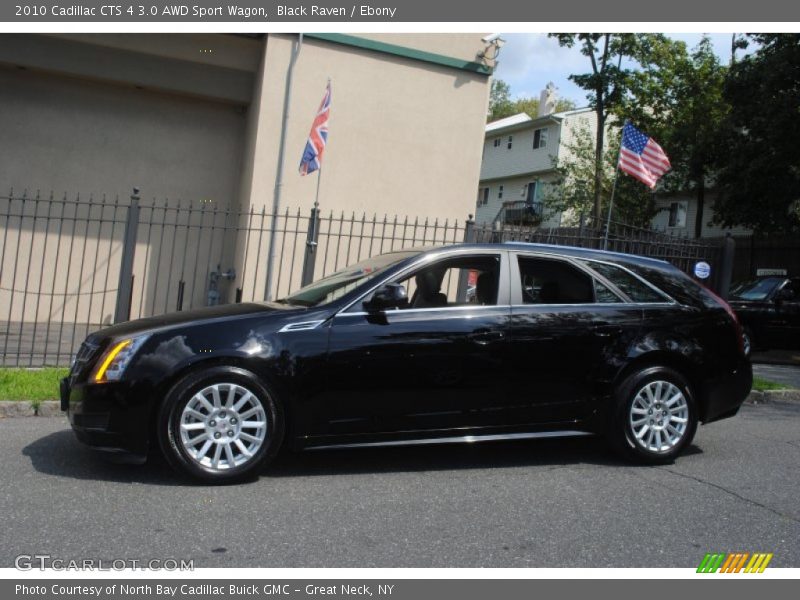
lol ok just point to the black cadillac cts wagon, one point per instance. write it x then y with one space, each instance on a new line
464 343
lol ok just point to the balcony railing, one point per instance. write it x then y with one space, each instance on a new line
520 212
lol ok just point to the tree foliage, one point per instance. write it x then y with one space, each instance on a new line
571 193
605 85
501 104
759 162
677 98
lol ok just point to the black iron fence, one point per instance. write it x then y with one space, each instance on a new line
71 265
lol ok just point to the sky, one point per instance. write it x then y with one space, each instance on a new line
528 61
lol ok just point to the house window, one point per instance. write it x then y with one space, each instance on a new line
677 214
496 142
483 196
510 141
500 192
540 138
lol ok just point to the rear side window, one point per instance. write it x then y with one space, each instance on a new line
547 281
630 285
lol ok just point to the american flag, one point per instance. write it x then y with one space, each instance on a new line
641 157
315 145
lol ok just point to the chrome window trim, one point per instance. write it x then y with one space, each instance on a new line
516 290
668 299
406 311
596 304
502 253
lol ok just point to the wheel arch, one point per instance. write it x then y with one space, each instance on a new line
672 360
163 387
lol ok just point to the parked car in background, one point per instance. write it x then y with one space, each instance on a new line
769 309
552 341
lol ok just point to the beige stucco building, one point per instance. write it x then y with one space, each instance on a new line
196 119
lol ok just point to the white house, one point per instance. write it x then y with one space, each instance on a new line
520 156
677 214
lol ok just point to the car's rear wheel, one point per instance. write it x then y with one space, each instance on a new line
220 425
655 416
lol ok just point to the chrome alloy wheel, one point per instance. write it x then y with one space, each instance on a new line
223 426
659 416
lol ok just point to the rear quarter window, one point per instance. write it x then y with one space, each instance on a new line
678 285
630 285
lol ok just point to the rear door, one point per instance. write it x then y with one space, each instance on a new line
568 328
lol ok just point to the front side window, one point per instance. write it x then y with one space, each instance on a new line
628 284
461 281
549 281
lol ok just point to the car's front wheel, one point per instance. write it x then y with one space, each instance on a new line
655 416
220 425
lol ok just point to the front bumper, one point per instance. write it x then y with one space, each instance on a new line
110 417
726 394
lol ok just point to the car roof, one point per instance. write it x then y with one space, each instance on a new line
572 251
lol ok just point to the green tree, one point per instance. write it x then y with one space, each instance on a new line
759 166
501 105
571 194
605 84
677 98
499 100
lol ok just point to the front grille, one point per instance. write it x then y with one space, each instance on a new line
86 354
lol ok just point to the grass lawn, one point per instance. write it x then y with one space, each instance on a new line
32 385
764 385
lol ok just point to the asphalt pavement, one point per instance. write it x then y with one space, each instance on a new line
556 503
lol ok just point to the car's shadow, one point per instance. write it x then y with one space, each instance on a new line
60 454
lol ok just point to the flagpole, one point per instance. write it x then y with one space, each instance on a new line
311 242
613 187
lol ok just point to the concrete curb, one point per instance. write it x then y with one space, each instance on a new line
52 408
23 408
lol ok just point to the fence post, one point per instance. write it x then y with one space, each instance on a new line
469 230
122 312
312 236
726 266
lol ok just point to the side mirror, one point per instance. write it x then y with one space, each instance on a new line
391 295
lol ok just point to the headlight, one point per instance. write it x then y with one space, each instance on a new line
117 358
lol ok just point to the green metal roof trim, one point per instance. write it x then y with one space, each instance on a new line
402 51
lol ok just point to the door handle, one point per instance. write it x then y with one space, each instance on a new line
485 337
606 331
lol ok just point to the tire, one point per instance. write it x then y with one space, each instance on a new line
220 425
641 402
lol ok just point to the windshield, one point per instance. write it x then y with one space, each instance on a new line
755 289
340 283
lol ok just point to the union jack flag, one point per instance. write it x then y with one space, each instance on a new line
641 157
318 137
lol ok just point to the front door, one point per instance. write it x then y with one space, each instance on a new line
434 364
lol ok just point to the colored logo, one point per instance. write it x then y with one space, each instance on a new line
735 562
